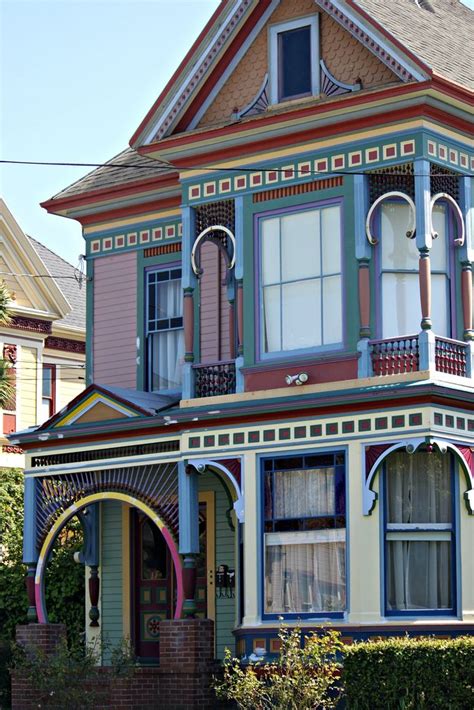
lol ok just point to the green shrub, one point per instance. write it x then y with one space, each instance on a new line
301 678
410 674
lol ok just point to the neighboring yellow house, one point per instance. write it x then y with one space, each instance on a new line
45 340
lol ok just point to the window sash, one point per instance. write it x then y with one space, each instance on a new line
301 310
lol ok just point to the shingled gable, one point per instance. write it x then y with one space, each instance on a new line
232 30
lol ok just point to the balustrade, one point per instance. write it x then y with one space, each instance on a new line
451 356
395 356
214 379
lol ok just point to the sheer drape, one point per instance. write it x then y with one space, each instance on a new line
308 577
419 561
302 494
167 342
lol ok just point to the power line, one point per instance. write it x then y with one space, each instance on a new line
46 276
214 168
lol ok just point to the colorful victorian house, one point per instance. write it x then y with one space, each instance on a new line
279 418
44 342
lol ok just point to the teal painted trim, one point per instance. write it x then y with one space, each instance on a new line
89 321
188 509
249 280
30 550
141 332
239 237
133 237
360 191
188 278
422 203
449 153
90 521
466 252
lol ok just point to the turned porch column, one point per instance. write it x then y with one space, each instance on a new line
189 285
423 236
30 551
188 532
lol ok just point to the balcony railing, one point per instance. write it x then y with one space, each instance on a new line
451 356
214 379
397 356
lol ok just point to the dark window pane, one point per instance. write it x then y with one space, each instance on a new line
268 496
288 464
294 54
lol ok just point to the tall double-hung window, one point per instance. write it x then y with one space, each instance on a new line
419 534
304 535
401 310
165 336
301 280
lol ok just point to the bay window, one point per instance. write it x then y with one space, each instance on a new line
399 257
304 535
419 534
165 336
301 280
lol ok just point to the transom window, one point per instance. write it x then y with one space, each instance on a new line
301 280
399 257
294 59
165 334
305 535
419 534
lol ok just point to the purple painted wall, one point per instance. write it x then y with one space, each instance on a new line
115 320
214 307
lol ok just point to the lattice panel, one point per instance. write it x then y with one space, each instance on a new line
216 213
444 180
396 177
155 485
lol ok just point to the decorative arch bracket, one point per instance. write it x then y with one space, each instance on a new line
210 234
411 232
202 464
459 241
464 454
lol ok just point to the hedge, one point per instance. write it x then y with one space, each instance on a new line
408 673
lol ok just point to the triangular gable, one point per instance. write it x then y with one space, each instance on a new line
225 41
18 261
94 404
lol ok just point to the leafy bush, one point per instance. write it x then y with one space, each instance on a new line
396 674
300 679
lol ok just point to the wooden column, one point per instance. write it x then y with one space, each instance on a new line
188 317
94 587
232 329
364 298
425 289
466 290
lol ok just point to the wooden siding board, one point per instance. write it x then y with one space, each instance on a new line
111 574
115 320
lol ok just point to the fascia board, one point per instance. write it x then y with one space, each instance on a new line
167 108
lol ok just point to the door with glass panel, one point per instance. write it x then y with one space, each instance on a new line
419 534
399 312
154 586
304 537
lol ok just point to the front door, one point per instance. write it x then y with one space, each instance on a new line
154 590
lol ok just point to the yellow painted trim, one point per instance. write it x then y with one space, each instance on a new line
94 398
88 500
168 214
209 498
126 573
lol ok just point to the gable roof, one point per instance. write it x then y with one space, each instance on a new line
422 42
69 286
439 32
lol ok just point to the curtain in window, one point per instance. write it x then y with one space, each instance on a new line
167 358
419 562
303 494
308 577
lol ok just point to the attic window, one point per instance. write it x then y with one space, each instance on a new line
294 59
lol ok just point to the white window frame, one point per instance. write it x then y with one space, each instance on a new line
313 22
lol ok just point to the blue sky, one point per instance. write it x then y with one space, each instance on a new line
76 79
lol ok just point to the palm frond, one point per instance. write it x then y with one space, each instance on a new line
7 386
5 300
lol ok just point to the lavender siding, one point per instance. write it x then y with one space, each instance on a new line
214 307
115 320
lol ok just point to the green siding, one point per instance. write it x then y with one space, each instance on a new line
111 574
225 555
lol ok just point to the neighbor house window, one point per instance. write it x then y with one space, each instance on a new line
301 280
294 59
419 534
401 309
304 535
165 329
48 401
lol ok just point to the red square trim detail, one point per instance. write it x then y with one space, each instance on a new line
356 159
338 162
390 151
373 154
272 175
241 182
225 185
